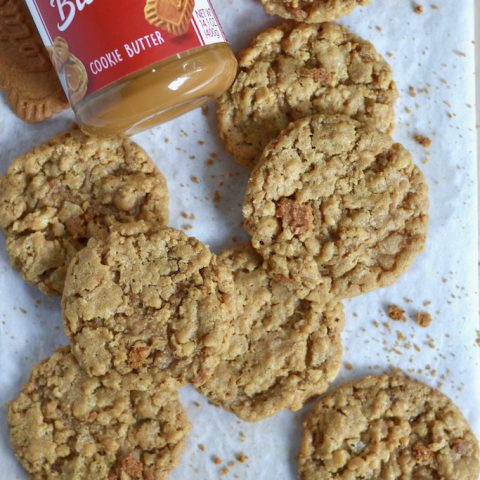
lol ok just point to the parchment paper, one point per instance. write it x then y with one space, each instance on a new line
432 51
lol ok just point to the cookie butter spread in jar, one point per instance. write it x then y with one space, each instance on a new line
127 65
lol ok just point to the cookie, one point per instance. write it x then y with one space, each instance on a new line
70 69
148 299
336 208
54 198
174 16
387 427
67 425
283 350
311 11
76 79
295 70
27 75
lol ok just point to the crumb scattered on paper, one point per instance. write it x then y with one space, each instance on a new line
396 313
424 319
423 140
418 9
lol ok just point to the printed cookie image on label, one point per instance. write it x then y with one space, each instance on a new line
95 43
71 71
174 16
76 78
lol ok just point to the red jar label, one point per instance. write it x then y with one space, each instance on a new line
94 43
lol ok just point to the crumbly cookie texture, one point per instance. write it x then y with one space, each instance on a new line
283 351
295 70
148 300
387 427
74 187
311 11
335 207
66 425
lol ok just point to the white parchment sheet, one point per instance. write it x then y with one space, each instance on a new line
432 52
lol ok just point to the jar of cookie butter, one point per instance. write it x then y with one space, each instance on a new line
127 65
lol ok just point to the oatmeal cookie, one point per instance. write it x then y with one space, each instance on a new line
66 425
295 70
335 207
74 187
387 427
311 11
148 299
283 350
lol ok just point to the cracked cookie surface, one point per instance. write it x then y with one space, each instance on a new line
387 427
148 299
66 425
336 208
295 70
283 350
311 11
69 189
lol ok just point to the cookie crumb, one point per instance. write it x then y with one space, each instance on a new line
194 179
424 319
396 313
201 447
217 197
216 460
242 458
348 366
418 9
423 140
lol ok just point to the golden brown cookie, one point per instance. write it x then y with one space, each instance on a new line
27 75
148 299
54 198
283 350
174 16
295 70
66 425
311 11
387 427
336 208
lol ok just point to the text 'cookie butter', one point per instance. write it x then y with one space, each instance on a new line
129 65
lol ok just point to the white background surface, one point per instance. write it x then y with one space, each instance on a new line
433 51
